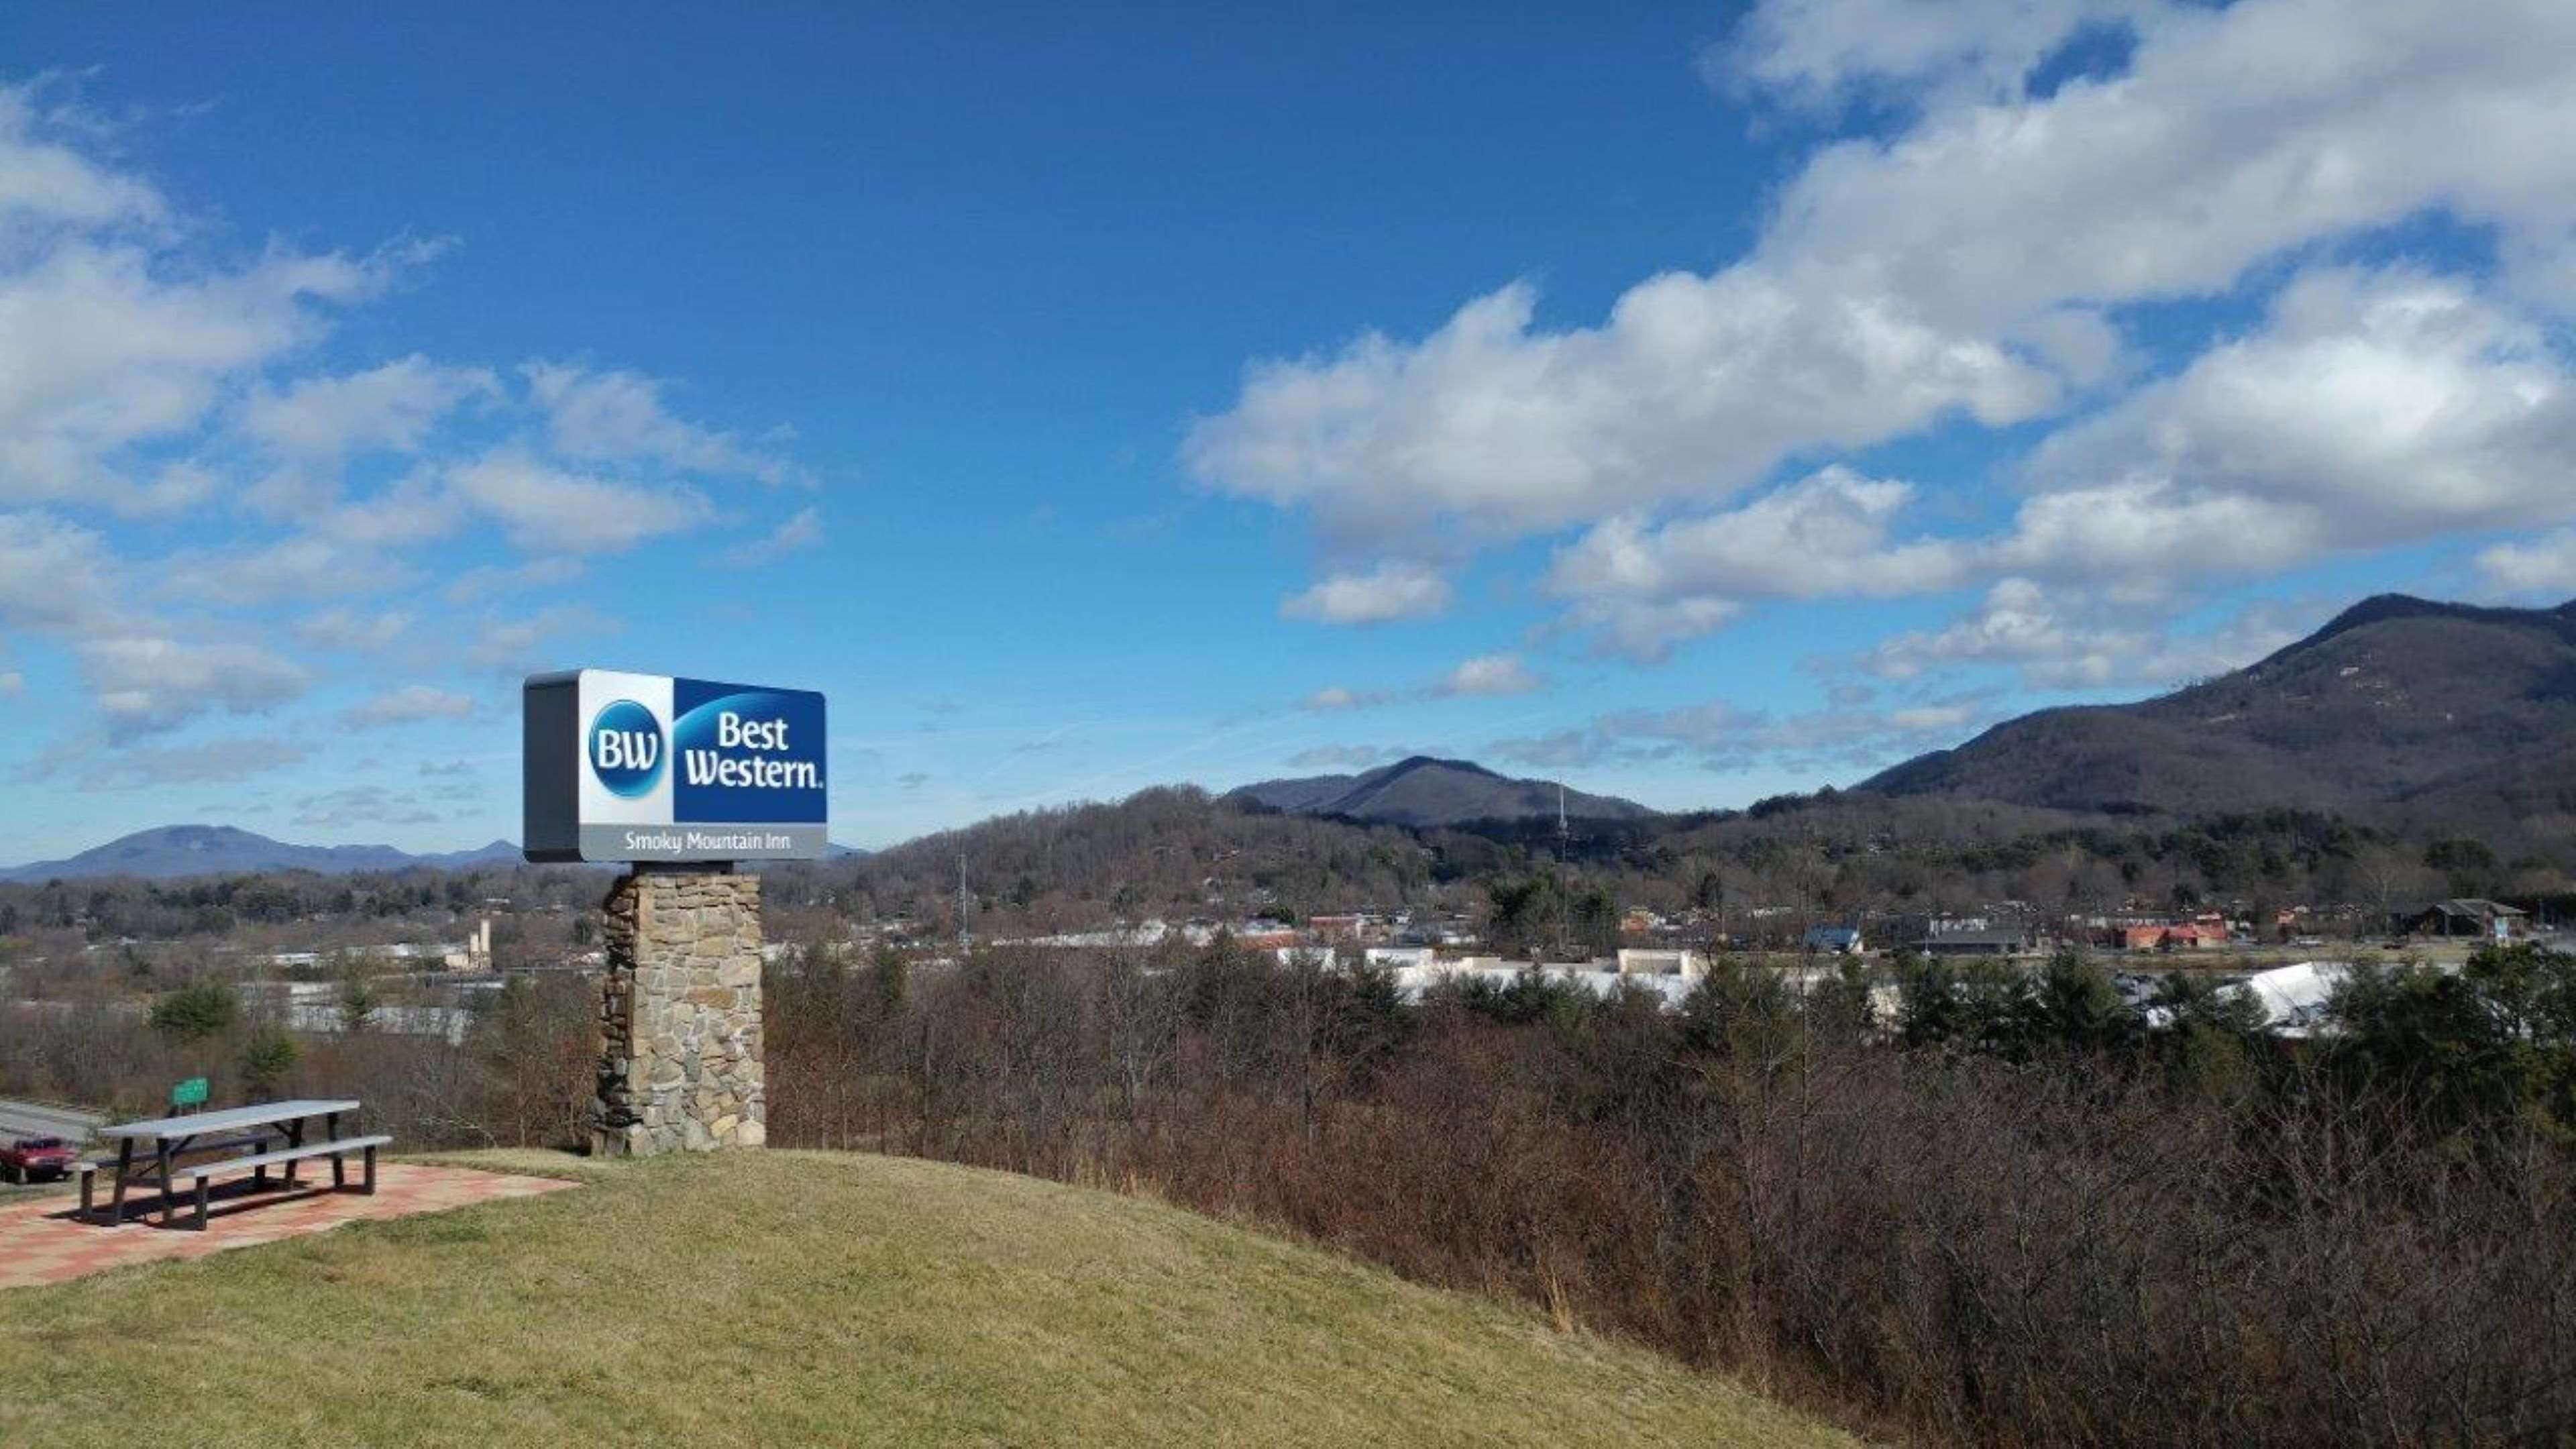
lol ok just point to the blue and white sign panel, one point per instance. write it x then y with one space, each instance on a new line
649 767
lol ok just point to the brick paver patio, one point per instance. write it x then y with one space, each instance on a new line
42 1240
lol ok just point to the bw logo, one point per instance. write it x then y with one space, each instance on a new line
625 748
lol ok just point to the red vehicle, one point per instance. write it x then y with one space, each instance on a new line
30 1159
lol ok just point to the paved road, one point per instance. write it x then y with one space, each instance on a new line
48 1119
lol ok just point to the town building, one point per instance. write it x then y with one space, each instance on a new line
2475 919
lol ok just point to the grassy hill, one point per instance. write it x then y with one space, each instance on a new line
786 1297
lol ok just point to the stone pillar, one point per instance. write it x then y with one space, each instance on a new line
679 1016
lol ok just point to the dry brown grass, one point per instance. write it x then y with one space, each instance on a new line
790 1297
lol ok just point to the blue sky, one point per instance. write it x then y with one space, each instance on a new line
1690 403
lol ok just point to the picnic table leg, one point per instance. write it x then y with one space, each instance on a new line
124 1168
339 1168
370 1188
89 1183
169 1204
201 1202
294 1138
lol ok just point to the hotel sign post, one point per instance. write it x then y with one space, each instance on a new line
680 778
646 767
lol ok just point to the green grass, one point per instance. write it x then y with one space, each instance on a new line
789 1297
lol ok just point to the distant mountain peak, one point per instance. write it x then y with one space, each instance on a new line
170 851
1428 791
1411 763
2408 712
2386 608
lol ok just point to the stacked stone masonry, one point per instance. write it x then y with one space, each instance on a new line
680 1065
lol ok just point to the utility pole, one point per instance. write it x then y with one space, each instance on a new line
962 937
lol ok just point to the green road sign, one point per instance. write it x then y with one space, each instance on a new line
190 1093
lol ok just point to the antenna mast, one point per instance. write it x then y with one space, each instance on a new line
961 903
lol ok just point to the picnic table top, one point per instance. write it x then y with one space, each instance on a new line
197 1124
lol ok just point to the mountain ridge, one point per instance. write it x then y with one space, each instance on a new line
174 852
1425 791
2406 712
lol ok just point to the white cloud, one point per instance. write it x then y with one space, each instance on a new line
1695 387
1395 589
102 348
2543 566
45 184
2233 136
362 805
2076 639
296 569
1488 676
208 762
545 509
485 582
513 645
349 631
1968 263
12 684
1348 757
158 383
800 531
616 416
409 704
147 683
55 576
393 406
1643 586
2373 408
1721 735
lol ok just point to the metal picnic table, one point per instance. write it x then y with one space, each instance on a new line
170 1138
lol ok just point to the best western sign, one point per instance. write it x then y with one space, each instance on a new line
647 767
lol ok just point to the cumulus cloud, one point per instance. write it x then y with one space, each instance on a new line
800 531
409 704
545 509
1349 757
1696 386
1486 676
1724 736
351 632
2543 566
618 416
55 576
1642 587
301 567
207 762
512 645
2079 640
147 683
2374 407
1970 261
393 406
1395 589
362 805
113 338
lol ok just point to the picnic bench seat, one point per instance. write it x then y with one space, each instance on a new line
177 1146
289 1156
87 1170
